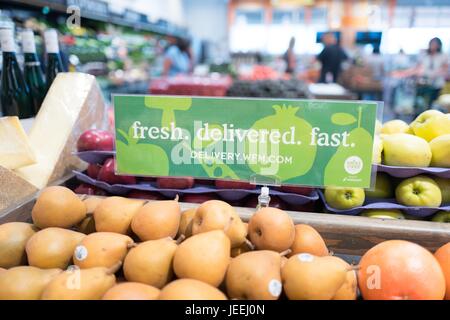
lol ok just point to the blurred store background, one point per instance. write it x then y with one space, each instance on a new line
396 51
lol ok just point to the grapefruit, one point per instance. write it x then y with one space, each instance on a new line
443 256
400 270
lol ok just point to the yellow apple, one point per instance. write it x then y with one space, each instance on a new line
395 126
440 149
444 185
401 149
421 118
383 214
377 150
383 188
344 198
433 127
419 191
441 216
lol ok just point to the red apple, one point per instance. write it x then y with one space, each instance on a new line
95 139
93 170
198 197
85 188
205 182
229 184
275 202
175 182
305 191
147 195
107 174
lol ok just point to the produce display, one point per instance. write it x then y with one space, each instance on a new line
148 250
413 173
288 89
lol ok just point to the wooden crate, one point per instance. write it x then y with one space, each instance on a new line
346 235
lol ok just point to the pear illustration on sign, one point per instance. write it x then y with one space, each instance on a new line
168 107
348 160
142 158
298 151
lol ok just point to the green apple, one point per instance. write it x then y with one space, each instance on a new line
395 126
421 118
433 127
419 191
401 149
344 198
440 150
441 216
383 214
383 187
444 185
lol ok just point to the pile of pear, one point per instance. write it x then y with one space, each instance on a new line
117 248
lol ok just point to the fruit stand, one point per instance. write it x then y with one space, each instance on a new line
89 206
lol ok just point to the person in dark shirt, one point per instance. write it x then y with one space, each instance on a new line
331 59
289 57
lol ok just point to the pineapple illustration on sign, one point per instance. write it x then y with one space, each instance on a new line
348 161
301 152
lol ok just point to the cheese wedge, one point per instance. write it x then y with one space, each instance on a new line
12 189
74 103
15 149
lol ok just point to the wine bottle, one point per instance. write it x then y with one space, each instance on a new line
32 71
54 64
15 97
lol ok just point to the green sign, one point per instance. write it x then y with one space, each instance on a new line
297 142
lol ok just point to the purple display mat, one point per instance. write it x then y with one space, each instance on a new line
385 204
225 194
408 172
95 157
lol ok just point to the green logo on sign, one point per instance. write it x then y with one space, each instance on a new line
304 142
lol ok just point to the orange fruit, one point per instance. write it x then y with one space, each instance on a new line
308 240
397 270
443 256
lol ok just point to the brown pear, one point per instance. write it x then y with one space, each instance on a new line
52 247
307 277
219 215
101 249
204 256
271 229
87 225
255 276
348 291
186 221
81 284
308 240
157 220
114 214
25 282
190 289
92 203
150 262
132 291
13 239
58 206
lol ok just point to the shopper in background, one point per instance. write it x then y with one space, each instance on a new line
431 71
331 59
289 57
178 58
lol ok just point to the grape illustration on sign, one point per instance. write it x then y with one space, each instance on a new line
296 142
